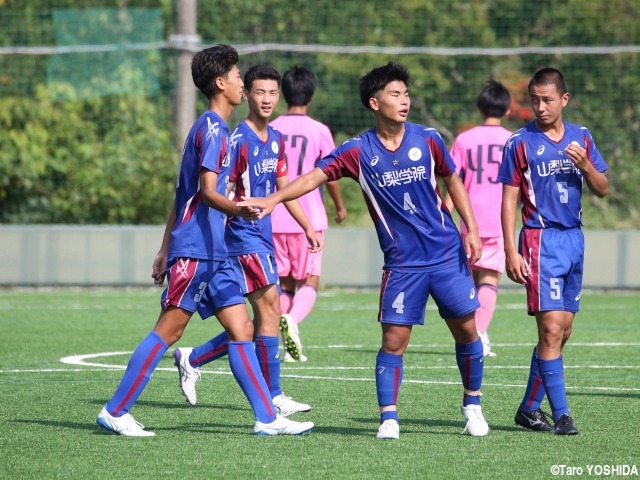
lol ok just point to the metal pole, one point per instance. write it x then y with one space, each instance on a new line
186 41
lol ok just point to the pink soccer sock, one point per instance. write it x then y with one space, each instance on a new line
487 295
303 302
286 299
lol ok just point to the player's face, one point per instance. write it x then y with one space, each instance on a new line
263 97
233 86
393 102
547 104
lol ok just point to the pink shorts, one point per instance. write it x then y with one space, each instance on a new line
293 257
492 255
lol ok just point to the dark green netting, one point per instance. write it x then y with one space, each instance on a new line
111 54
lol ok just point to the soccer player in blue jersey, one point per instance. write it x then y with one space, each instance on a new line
258 167
397 164
200 277
544 166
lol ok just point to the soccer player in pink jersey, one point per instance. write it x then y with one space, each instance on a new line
477 154
307 141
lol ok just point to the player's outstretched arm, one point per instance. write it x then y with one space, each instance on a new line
295 189
336 196
460 200
211 197
297 212
515 265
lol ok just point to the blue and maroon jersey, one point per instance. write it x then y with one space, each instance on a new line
255 166
400 188
550 185
199 230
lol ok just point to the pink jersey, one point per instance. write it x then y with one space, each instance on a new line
307 141
477 154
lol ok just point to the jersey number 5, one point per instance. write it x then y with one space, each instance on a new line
564 192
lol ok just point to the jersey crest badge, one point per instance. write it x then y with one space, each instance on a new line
415 154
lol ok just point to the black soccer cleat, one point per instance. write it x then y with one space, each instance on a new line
565 426
536 420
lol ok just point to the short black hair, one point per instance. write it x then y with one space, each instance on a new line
211 63
494 100
260 72
549 76
298 86
378 78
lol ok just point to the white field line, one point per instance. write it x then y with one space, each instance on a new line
493 344
84 361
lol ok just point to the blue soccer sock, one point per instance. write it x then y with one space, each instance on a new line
471 365
389 373
389 415
209 351
534 394
269 361
143 361
552 373
246 370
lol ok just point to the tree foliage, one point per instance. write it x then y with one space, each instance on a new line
59 164
111 159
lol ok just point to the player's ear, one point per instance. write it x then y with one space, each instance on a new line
373 104
220 83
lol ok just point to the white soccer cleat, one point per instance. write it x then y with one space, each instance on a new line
290 335
125 425
289 359
486 345
282 426
188 375
389 430
285 406
476 424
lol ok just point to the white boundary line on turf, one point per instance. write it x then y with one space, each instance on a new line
81 360
449 345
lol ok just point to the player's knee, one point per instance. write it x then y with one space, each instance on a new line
552 333
394 344
243 332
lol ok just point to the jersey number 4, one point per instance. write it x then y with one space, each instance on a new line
408 204
398 303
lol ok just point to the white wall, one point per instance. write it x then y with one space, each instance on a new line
122 255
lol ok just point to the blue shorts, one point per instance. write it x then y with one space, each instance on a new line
255 270
555 259
403 296
202 286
